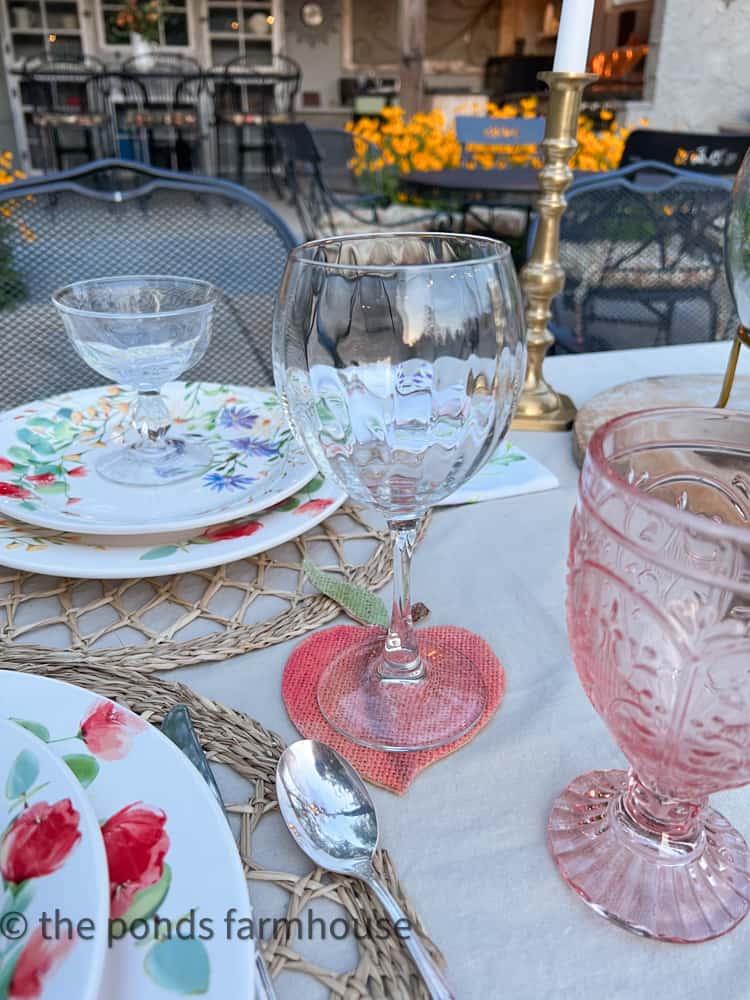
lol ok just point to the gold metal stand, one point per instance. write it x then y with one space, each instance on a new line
741 337
540 408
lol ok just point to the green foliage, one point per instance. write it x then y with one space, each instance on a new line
12 285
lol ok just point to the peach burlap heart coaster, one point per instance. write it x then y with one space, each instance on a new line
394 771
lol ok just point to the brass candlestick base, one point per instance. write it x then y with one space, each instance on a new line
540 407
741 337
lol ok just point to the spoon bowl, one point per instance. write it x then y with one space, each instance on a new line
326 806
331 816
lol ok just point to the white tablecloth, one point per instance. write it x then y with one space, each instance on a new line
468 839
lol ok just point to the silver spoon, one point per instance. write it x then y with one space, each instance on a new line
330 814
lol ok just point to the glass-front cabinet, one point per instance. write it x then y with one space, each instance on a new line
211 31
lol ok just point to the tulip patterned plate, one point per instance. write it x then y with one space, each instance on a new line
53 867
97 557
179 915
48 453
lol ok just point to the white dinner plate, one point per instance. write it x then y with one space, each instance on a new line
169 848
101 557
48 451
54 873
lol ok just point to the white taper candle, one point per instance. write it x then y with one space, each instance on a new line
573 36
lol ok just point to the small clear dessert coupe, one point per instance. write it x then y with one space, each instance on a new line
142 332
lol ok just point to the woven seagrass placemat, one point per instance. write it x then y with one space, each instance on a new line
207 615
383 970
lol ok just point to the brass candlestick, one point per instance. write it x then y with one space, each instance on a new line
540 407
741 337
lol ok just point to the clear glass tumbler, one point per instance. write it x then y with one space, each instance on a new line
142 332
399 358
659 625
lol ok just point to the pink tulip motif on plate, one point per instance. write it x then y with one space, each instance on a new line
136 842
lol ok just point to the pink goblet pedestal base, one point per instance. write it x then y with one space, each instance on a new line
689 889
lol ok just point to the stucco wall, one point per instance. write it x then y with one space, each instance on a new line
699 73
319 54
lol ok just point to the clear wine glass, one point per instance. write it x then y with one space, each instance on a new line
399 358
142 332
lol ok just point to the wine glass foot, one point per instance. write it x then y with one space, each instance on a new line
685 891
437 709
170 463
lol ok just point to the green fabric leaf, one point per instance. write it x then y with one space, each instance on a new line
42 422
22 776
358 602
40 731
180 965
84 767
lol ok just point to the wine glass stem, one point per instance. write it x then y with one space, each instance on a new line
152 420
401 660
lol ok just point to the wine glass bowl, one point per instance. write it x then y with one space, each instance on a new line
399 359
737 242
141 332
658 617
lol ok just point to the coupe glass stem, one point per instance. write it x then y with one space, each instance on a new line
401 660
152 420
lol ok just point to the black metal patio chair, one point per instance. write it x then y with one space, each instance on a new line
173 116
706 153
63 228
247 99
642 251
330 184
68 127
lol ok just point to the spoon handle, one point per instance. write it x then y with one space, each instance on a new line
434 980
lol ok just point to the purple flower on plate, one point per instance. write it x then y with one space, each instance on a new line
237 416
216 481
257 447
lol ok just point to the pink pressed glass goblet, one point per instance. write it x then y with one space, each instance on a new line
659 624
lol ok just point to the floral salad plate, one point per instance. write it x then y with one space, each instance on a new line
179 915
48 452
54 895
102 557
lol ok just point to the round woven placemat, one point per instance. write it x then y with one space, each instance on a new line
383 970
207 615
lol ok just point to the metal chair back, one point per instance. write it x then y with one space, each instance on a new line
137 220
345 161
118 97
251 88
166 75
703 152
642 250
320 175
